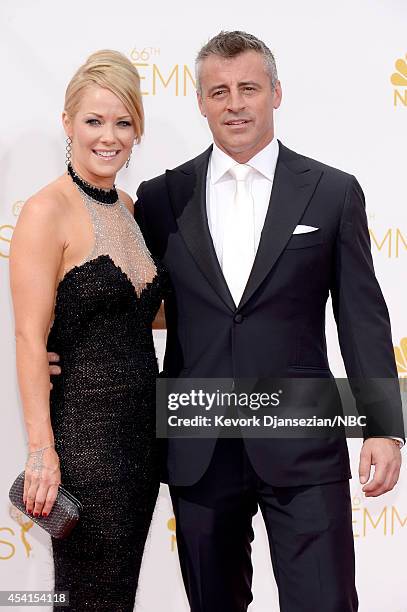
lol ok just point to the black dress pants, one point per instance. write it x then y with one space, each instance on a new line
309 530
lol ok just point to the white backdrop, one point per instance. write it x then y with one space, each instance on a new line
344 102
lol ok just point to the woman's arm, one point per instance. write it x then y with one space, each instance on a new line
35 258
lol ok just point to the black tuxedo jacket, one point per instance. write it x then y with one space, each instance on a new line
278 328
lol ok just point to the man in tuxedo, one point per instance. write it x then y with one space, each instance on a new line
255 237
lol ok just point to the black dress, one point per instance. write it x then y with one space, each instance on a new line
102 410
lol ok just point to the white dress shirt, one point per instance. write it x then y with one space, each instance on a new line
220 193
221 187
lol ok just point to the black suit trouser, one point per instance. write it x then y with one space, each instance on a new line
309 530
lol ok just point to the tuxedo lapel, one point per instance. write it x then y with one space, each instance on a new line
187 190
293 186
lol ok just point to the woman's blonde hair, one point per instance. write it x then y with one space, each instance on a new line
111 70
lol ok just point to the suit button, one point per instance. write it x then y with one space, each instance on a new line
238 318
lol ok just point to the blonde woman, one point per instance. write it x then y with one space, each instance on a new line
85 287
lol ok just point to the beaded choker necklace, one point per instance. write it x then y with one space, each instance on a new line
104 196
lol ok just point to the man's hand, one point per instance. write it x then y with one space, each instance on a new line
385 455
53 369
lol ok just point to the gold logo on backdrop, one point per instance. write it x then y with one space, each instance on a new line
158 77
400 353
7 545
171 527
391 242
386 521
399 79
25 526
17 206
7 548
6 230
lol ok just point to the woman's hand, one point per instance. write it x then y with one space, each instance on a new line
42 477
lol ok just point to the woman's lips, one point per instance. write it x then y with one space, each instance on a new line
105 155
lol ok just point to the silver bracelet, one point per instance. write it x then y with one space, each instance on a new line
41 449
36 458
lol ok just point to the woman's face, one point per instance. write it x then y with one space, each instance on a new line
102 134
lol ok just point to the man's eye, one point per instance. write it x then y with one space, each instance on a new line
219 92
249 88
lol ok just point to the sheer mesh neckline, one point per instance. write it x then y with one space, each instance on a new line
117 235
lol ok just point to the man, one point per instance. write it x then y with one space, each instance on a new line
261 313
250 289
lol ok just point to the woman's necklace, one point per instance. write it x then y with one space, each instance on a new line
104 196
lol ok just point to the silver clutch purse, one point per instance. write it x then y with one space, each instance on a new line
64 513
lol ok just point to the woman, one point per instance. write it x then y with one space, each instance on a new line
85 286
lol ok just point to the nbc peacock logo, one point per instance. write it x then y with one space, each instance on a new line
399 80
400 353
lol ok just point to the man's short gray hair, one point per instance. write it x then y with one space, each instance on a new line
230 44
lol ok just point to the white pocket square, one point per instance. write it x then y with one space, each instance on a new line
305 229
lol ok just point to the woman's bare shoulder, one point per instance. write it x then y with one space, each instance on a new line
49 202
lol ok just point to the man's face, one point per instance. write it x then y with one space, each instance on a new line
238 101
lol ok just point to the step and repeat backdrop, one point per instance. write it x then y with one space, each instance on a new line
343 69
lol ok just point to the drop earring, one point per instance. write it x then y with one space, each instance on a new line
129 158
68 150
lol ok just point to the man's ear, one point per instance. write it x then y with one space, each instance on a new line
278 94
201 103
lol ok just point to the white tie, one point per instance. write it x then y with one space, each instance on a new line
238 240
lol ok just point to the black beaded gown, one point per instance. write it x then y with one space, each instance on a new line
102 410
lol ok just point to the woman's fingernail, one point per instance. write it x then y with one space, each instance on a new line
36 514
44 514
